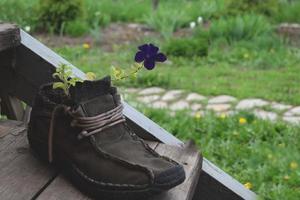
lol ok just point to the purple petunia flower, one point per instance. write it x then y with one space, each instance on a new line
148 53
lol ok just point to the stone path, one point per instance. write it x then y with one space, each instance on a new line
176 100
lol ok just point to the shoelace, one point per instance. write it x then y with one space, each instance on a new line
89 125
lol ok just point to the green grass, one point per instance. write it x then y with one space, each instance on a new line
259 152
263 69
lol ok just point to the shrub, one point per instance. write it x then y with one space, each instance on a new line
289 12
118 10
18 12
241 27
187 47
266 7
165 22
53 14
76 28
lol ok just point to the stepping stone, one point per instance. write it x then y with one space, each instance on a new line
265 115
148 99
218 107
131 90
294 111
247 104
152 90
222 99
172 95
179 105
288 114
195 97
159 105
196 106
293 120
280 107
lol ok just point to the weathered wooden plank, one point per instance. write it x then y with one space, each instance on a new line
61 188
9 36
215 183
10 127
22 176
187 155
191 159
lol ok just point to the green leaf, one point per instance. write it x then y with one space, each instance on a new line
58 85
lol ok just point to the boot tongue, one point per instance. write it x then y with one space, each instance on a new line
93 97
96 97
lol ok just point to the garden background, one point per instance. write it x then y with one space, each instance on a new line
245 49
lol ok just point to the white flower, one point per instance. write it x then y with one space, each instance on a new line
199 20
192 25
27 28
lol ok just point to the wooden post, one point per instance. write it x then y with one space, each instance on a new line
12 107
10 39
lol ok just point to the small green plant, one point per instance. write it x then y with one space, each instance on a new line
76 28
165 22
236 28
66 79
187 47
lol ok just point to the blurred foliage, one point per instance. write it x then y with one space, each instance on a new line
76 28
289 12
54 14
265 7
187 47
240 27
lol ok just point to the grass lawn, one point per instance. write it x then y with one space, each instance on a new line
261 154
224 71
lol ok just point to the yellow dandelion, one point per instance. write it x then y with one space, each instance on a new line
246 56
223 116
248 185
286 177
293 165
242 120
198 115
86 46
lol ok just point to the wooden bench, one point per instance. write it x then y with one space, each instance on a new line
25 64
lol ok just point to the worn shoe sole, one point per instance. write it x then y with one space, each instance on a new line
163 181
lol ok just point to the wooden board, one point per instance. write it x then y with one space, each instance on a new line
188 156
22 176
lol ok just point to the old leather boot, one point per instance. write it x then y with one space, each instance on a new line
87 136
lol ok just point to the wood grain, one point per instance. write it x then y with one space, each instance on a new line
191 159
22 176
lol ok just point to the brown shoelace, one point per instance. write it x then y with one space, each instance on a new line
89 125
